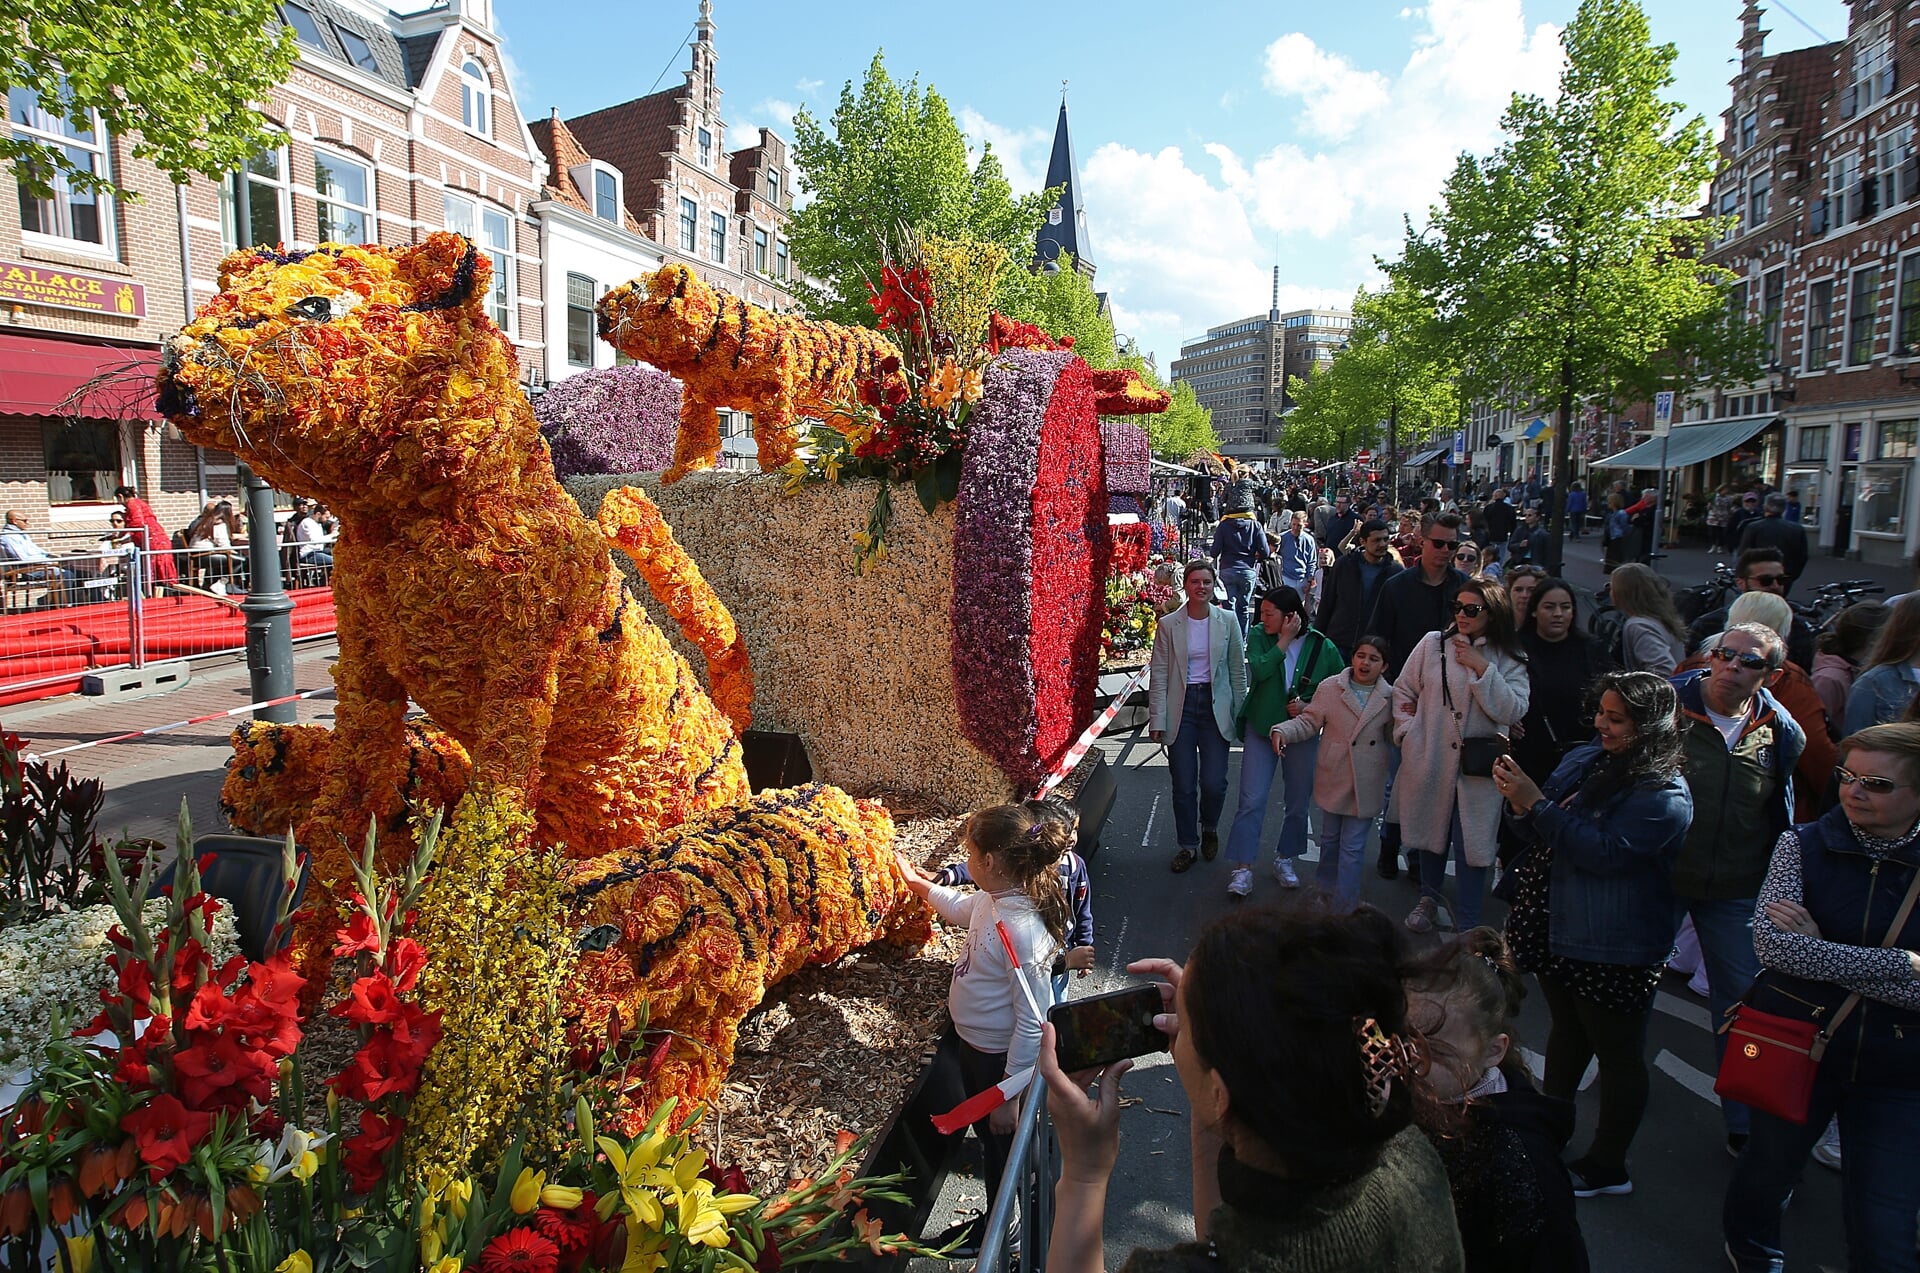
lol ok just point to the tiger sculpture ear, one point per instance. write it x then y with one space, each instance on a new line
446 271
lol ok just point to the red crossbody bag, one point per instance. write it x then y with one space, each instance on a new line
1770 1060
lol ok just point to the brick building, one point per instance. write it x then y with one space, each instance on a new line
1817 160
391 127
664 158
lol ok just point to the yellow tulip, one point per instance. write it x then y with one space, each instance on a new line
447 1264
561 1197
456 1195
79 1257
298 1262
526 1190
432 1246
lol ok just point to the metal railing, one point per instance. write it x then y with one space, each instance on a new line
80 612
1026 1186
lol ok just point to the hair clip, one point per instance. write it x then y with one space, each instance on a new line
1491 962
1385 1057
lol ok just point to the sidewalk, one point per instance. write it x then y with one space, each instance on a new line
1684 567
146 779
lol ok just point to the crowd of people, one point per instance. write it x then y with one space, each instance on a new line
1727 786
137 551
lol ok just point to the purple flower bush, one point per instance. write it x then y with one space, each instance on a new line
1129 470
616 420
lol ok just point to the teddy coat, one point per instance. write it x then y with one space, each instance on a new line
1429 736
1167 673
1356 744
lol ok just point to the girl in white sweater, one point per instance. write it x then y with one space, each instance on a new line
1353 712
1012 854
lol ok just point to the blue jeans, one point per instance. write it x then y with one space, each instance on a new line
1725 929
1257 767
1472 882
1239 583
1879 1188
1343 843
1197 762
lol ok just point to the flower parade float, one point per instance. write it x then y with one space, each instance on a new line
976 608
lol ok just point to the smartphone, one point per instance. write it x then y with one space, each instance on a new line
1101 1029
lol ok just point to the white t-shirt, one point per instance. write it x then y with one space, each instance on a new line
988 1010
1729 726
1199 664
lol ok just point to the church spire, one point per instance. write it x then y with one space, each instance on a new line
1065 229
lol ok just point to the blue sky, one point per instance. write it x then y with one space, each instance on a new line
1213 139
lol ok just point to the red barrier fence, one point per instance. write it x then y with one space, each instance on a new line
74 614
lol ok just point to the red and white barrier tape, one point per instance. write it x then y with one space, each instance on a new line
981 1104
1083 744
179 724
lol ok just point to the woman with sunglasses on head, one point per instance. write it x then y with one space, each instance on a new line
1892 675
1459 690
1835 918
1592 901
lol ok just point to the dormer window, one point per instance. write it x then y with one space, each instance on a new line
305 29
606 195
773 185
476 96
359 52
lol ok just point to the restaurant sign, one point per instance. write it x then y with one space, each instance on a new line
22 284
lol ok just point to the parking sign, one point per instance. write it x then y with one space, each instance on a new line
1662 413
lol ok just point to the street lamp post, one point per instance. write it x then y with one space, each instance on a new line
268 608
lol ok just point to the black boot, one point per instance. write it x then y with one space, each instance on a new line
1389 864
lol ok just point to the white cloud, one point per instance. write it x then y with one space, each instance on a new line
1022 152
809 86
1337 96
1183 246
772 112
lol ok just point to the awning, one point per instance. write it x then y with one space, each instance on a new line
1428 456
43 376
1689 443
1533 431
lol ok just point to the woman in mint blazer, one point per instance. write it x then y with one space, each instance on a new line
1194 696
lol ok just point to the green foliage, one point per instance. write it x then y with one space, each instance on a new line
177 80
895 155
1062 303
1562 267
1395 376
1183 428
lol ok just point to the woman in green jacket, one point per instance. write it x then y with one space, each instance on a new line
1287 658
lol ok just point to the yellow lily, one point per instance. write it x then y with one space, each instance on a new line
643 1250
632 1172
700 1220
526 1190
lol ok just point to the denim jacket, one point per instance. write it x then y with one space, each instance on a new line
1611 899
1878 695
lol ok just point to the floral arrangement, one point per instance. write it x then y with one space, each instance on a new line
49 966
1030 563
879 732
1120 391
1135 603
1129 459
614 420
381 387
49 856
686 934
1132 544
728 353
184 1138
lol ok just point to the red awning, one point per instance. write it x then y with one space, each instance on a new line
42 376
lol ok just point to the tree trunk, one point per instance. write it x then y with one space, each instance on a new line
1393 451
1562 463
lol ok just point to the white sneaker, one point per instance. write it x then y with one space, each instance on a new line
1283 871
1240 883
1827 1152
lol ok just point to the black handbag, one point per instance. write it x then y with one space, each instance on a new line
1477 753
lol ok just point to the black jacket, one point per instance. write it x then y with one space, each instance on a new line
1499 518
1346 603
1408 608
1777 532
1511 1194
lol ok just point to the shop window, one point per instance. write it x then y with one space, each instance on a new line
1883 498
81 219
1814 441
82 458
1897 440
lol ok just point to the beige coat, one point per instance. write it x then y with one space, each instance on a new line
1430 783
1356 747
1167 672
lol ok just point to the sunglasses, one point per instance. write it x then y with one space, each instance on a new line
1442 543
1469 609
1844 777
1466 554
1745 658
1767 581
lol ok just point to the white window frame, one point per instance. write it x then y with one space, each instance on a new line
54 133
774 184
1759 195
323 201
601 172
1825 345
1843 174
593 294
1892 149
1906 336
476 98
689 237
1872 52
717 236
233 214
762 252
1854 294
703 140
782 260
478 220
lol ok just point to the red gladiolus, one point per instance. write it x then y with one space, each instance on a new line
520 1251
358 935
405 960
275 983
207 1010
219 1072
366 1153
890 364
136 984
371 1001
388 1066
165 1133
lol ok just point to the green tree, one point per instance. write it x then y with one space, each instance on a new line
1563 266
1061 303
1183 428
176 79
1394 382
895 155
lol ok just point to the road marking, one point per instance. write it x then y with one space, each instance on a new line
1701 1085
1685 1010
1537 1064
1146 837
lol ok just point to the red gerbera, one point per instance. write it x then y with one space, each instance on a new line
572 1231
520 1251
